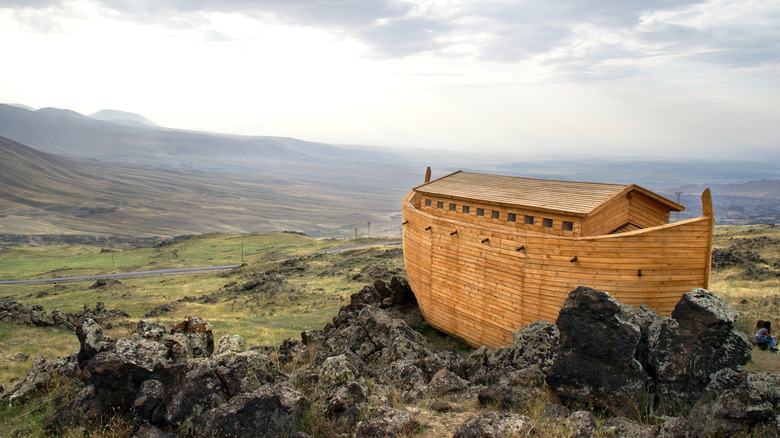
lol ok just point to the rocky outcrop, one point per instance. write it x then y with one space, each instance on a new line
595 361
11 310
628 360
737 403
350 377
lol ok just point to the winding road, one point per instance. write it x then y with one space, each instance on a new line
174 271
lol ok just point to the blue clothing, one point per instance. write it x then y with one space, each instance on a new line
767 340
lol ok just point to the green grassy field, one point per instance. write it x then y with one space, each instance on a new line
286 297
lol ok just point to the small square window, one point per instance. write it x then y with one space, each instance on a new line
480 212
466 209
568 226
511 217
495 214
529 220
428 202
439 204
453 207
547 223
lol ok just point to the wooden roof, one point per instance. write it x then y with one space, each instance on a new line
567 197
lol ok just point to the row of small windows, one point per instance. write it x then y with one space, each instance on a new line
496 214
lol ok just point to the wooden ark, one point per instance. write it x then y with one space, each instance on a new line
488 254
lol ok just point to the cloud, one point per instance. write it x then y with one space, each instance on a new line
569 34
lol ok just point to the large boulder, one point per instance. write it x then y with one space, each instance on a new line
595 361
697 341
270 411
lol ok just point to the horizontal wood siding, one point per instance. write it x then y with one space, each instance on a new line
646 212
608 219
481 283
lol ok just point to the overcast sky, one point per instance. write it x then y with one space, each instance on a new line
573 77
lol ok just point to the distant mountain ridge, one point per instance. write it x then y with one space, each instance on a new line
763 189
110 115
68 133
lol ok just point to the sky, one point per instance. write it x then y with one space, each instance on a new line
566 78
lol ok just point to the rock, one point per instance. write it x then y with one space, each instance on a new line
271 411
245 371
149 431
150 329
684 351
179 346
85 407
60 319
622 427
39 375
200 390
368 296
535 344
553 411
445 382
736 402
117 375
309 337
677 427
350 338
582 424
143 353
199 333
595 363
335 372
150 401
408 379
393 338
231 343
439 406
494 425
91 339
346 397
292 351
387 422
401 292
515 390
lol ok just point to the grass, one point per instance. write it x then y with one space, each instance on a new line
303 294
201 250
754 298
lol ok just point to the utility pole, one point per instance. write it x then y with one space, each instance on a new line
678 201
355 233
368 234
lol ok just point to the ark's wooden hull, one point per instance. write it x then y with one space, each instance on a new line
483 283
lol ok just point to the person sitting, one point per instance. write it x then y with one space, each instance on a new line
764 335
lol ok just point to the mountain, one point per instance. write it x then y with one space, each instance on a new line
41 193
752 202
68 133
121 117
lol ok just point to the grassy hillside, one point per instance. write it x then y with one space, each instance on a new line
46 194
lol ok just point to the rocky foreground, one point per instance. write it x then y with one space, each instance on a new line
368 374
